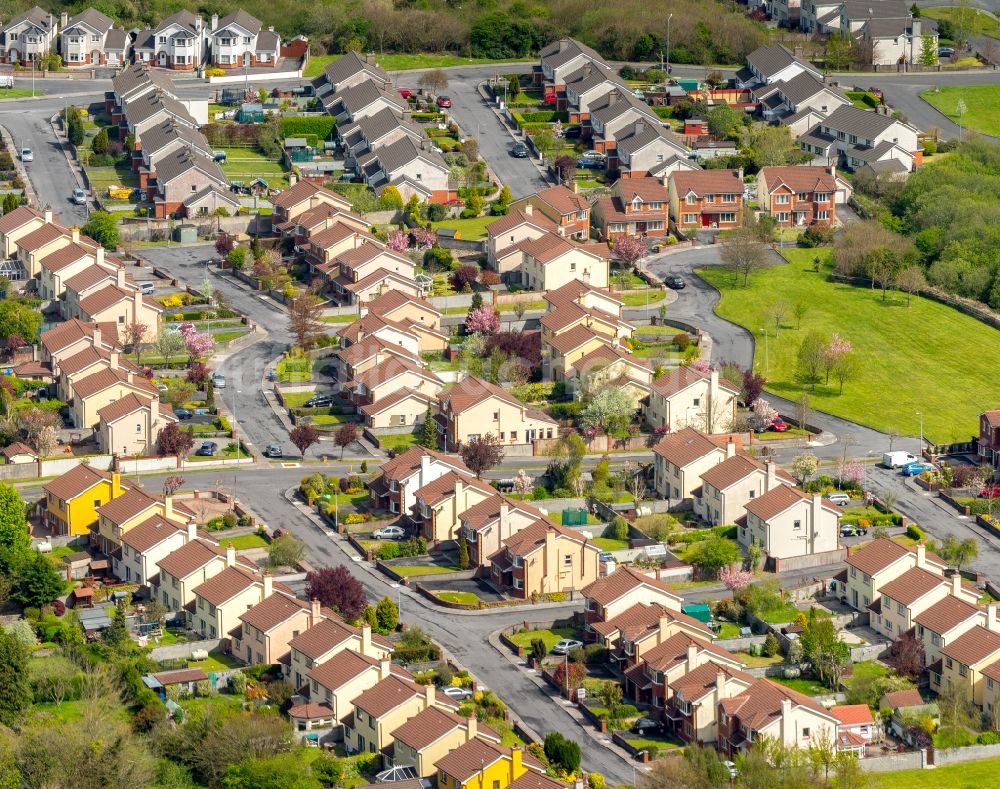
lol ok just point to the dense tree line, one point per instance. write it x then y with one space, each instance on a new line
700 32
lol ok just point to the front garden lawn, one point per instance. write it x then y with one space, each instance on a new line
18 93
297 399
409 571
244 542
969 775
523 638
294 369
642 299
659 743
808 687
399 443
982 105
405 62
462 598
902 362
467 229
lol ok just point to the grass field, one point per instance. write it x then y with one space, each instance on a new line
468 229
808 687
297 399
652 296
463 598
317 63
245 164
970 775
400 443
984 24
18 93
524 638
244 541
421 569
982 105
610 544
216 661
909 357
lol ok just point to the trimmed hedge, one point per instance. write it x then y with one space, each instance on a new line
542 116
321 126
914 532
882 519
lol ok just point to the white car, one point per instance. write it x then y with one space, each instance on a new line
459 694
566 645
731 766
840 499
27 155
389 533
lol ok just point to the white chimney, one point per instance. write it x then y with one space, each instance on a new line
991 618
425 468
770 477
366 640
956 584
528 208
74 234
268 585
230 555
99 255
786 714
120 276
114 360
720 686
48 216
192 531
730 447
215 21
921 556
315 611
429 695
692 656
384 668
97 336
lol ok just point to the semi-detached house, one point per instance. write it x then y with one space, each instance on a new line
544 559
686 397
637 207
873 565
786 522
859 139
441 502
680 460
481 764
693 710
491 521
566 208
608 597
774 63
72 499
909 594
266 629
728 487
326 640
643 147
559 60
798 196
430 735
180 174
394 489
412 166
614 111
943 622
350 69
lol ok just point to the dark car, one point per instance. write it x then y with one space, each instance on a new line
573 132
207 449
674 282
589 163
182 413
320 401
444 102
519 150
946 52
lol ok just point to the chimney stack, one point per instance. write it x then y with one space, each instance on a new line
640 127
384 668
786 714
921 556
720 686
215 21
268 585
74 234
528 209
366 640
730 447
429 695
48 216
168 501
692 656
230 555
770 477
120 276
315 611
832 169
192 531
97 336
114 360
99 255
63 19
956 584
425 468
991 618
471 727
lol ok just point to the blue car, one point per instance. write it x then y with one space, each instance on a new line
182 413
916 469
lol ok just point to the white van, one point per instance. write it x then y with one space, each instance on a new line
897 459
146 288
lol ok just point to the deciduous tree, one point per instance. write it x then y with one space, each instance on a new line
744 253
175 441
135 333
434 81
804 466
763 415
810 358
285 551
38 583
713 554
304 320
911 280
906 655
630 250
103 228
610 410
387 615
303 437
346 435
482 320
337 588
169 343
483 453
15 539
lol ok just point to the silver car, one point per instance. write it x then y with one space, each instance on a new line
218 380
79 197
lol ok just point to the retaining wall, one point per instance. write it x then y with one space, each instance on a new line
972 753
794 563
176 651
910 760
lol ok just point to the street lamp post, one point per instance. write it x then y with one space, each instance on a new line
920 447
669 17
236 435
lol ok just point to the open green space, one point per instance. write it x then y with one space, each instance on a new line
408 571
650 296
909 357
223 702
71 711
317 63
982 23
808 687
468 229
101 178
228 336
969 775
782 613
462 598
244 542
399 443
523 638
246 164
982 105
17 93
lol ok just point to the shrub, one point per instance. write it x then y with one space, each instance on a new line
816 235
595 654
914 532
436 212
562 752
682 341
229 520
618 529
771 646
988 737
930 148
596 781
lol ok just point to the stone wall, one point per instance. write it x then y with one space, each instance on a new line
910 760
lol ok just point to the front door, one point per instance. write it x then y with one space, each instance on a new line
706 220
162 60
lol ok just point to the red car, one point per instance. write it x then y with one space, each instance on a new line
779 425
550 98
444 102
991 492
405 92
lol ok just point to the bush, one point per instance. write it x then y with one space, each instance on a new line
914 532
618 530
988 737
436 212
562 752
297 126
816 235
771 646
561 411
930 148
595 654
682 341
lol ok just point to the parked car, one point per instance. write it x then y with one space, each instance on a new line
605 556
916 468
459 694
207 449
588 163
674 282
991 491
550 99
519 150
182 413
272 375
161 388
897 459
566 645
851 531
444 102
573 132
320 401
79 197
147 288
646 726
273 451
405 92
218 380
389 533
27 155
731 767
779 425
840 499
946 52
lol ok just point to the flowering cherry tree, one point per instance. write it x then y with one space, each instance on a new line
398 241
763 414
424 238
852 471
483 320
701 366
523 483
734 580
834 351
628 249
199 344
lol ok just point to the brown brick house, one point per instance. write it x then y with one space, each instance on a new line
706 198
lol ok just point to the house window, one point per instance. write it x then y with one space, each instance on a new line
782 216
782 199
696 402
727 217
805 731
948 663
901 608
854 572
690 219
796 525
822 214
496 416
963 669
513 435
691 199
568 560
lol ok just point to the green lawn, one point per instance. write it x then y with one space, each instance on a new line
610 544
228 336
245 164
216 661
904 366
294 370
409 571
528 306
808 687
784 613
984 24
469 229
339 318
68 712
982 105
317 63
758 661
660 743
17 93
969 775
244 541
102 177
463 598
641 299
523 638
400 443
222 454
297 399
326 419
728 629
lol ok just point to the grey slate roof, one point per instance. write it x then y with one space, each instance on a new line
616 103
268 41
239 17
636 137
117 39
585 79
197 197
145 39
162 134
180 161
378 125
185 19
39 17
770 60
365 94
350 64
875 9
888 28
139 75
564 50
872 154
801 87
864 123
149 104
405 150
93 18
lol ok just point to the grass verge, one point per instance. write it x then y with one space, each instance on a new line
523 638
462 598
982 105
317 63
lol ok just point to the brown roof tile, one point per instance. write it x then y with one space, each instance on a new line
444 487
73 330
106 378
428 726
190 557
150 532
912 585
947 613
974 646
903 698
877 555
571 340
75 482
468 759
403 465
563 199
396 397
61 258
799 179
226 585
534 780
18 448
760 705
19 217
272 611
731 470
89 356
775 501
322 637
649 190
623 580
394 299
45 234
674 651
680 378
180 675
131 503
686 446
386 695
472 390
129 404
334 673
702 681
517 217
302 191
488 511
706 182
642 619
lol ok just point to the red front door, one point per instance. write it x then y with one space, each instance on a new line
706 220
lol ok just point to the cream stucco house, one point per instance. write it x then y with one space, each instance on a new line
786 522
681 458
686 397
474 407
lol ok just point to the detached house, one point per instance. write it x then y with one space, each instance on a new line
686 397
636 207
178 42
680 460
474 407
83 38
567 210
888 42
543 559
989 433
786 523
430 735
706 198
238 39
797 196
29 36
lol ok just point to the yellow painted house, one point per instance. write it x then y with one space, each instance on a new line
72 500
480 764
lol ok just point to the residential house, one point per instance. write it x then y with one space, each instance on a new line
680 460
790 102
266 629
89 360
441 502
706 198
636 207
911 593
353 103
474 407
550 261
417 315
186 568
132 425
178 42
71 336
641 148
579 303
964 663
132 82
384 330
786 12
610 366
648 678
412 167
373 132
798 196
123 306
947 619
153 108
432 734
773 63
663 170
562 58
386 706
488 523
565 207
519 224
303 196
18 223
29 36
219 601
162 138
41 242
350 69
586 86
562 351
855 727
91 279
879 562
693 710
327 240
544 559
614 594
133 507
72 499
181 174
315 220
238 39
394 489
143 546
481 764
991 689
636 630
58 266
117 47
82 38
855 14
615 111
209 201
767 709
105 387
787 522
327 639
820 16
989 434
729 486
403 408
333 686
858 138
686 397
392 376
352 361
366 269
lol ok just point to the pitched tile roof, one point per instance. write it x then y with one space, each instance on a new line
324 636
530 539
760 705
472 390
68 332
912 585
674 651
563 199
303 190
488 511
150 532
800 179
517 217
349 664
133 502
386 695
731 470
701 681
427 727
183 160
139 75
579 335
90 276
65 256
349 64
680 378
623 580
272 611
863 123
607 354
973 646
409 461
18 448
396 397
469 758
533 780
162 134
649 190
394 299
770 60
686 446
877 555
852 714
90 356
20 216
776 501
903 698
444 487
43 235
947 613
108 377
189 557
123 407
240 17
75 482
706 182
226 585
180 675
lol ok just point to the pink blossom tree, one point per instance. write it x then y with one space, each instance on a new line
398 241
734 580
851 471
628 249
198 344
763 415
483 320
701 366
523 483
834 351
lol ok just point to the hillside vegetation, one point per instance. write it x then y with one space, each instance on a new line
702 31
